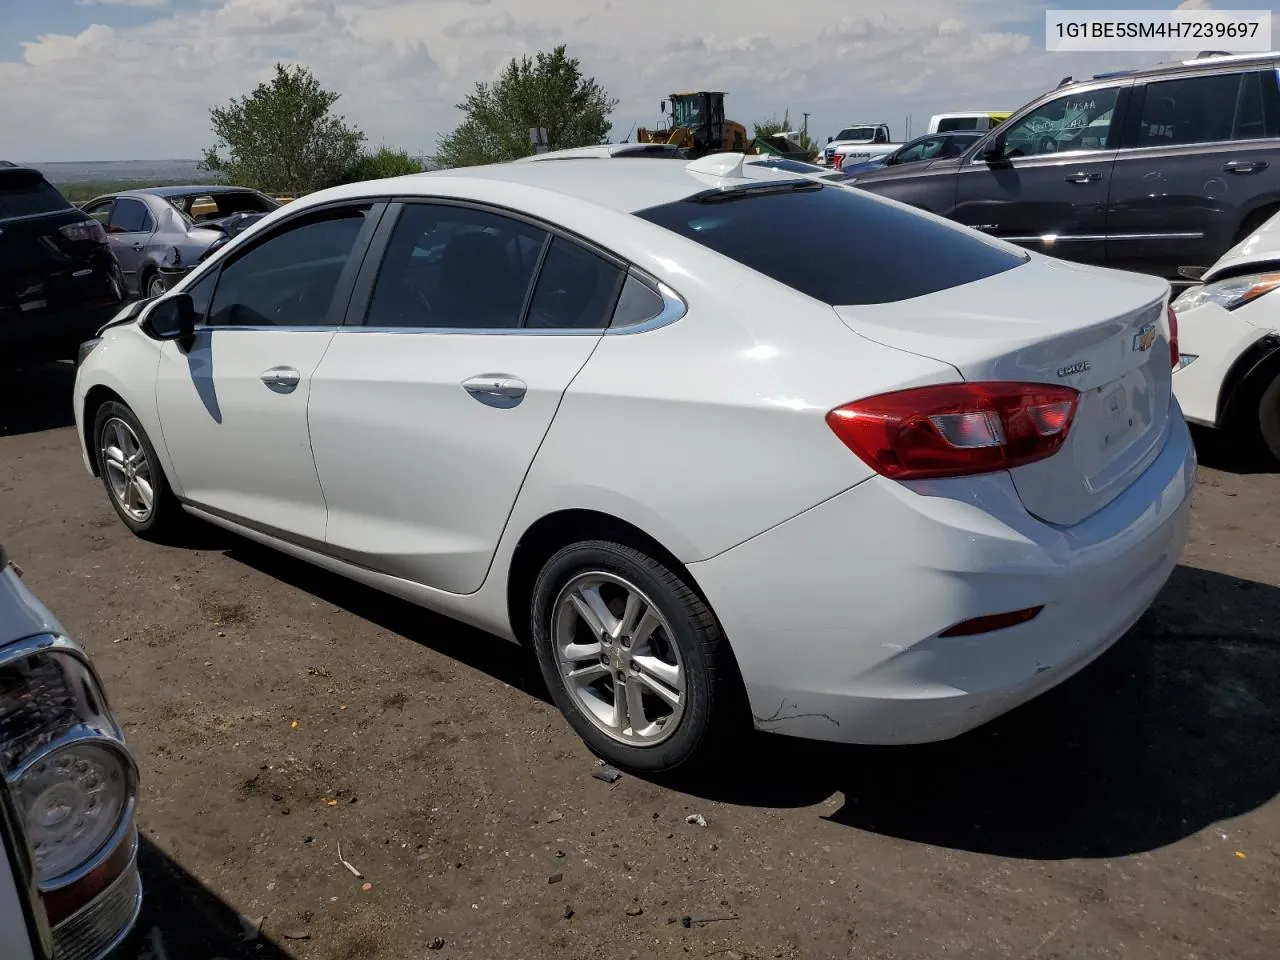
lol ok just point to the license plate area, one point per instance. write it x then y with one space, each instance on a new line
1112 421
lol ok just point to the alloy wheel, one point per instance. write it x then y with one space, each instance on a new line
619 659
155 286
127 469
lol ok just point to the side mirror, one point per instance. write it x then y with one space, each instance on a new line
174 318
662 107
993 150
829 139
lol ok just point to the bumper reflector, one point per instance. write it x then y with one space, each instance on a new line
991 622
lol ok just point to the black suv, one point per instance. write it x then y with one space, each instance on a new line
1153 170
59 280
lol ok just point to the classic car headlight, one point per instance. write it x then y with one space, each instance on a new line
1228 294
72 800
63 756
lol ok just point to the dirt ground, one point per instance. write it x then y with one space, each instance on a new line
278 711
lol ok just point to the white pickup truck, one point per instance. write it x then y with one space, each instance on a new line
858 142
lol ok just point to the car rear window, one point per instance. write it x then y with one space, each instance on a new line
835 244
25 192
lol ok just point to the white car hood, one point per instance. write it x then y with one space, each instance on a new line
1261 246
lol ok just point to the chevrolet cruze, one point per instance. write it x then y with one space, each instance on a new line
875 484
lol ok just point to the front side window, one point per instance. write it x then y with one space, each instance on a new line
455 267
130 216
290 279
920 150
822 257
100 211
1074 121
1209 109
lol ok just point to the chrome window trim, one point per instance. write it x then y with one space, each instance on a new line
673 309
1052 238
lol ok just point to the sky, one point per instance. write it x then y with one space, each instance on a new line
134 79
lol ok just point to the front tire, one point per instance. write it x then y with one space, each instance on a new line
633 657
1269 418
155 286
131 472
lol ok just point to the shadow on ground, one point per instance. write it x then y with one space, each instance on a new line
36 398
184 920
1222 450
1172 730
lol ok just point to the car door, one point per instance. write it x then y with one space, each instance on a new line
1200 154
1042 179
233 408
466 328
129 228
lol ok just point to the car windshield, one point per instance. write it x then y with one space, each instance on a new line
857 133
822 255
215 206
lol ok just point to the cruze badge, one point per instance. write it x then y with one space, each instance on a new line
1071 369
1144 338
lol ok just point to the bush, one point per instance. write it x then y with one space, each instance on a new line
384 162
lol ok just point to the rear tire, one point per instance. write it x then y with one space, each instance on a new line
154 286
132 475
612 625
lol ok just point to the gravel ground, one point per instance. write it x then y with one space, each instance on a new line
278 711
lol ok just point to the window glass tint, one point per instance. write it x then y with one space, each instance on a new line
576 289
129 216
23 194
201 293
637 303
290 279
956 145
892 254
1225 106
1076 121
100 211
452 266
961 123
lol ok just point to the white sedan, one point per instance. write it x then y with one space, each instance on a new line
1229 332
873 486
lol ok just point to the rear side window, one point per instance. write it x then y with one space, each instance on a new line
1210 109
130 216
841 246
576 289
23 194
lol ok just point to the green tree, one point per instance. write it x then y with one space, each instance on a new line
383 162
282 137
547 90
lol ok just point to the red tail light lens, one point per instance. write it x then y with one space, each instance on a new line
1173 338
836 160
84 230
957 429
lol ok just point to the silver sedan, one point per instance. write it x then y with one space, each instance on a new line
159 231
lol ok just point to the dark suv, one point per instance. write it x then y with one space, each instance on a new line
59 281
1152 170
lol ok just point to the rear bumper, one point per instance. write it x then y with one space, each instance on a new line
834 615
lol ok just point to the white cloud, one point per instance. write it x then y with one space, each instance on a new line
401 65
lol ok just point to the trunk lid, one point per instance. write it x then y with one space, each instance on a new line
1048 321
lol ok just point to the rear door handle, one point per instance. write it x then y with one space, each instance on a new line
1244 166
281 379
496 389
1082 177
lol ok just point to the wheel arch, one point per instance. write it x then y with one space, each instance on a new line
1256 366
93 400
556 530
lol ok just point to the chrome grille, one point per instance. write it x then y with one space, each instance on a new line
100 925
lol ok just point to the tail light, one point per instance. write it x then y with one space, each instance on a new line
1173 338
836 160
83 230
956 429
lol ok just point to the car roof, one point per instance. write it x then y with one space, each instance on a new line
605 151
625 187
1177 67
195 189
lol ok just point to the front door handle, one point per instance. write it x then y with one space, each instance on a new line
1244 166
281 379
139 247
496 389
1082 177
